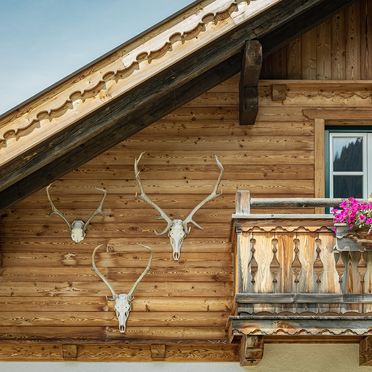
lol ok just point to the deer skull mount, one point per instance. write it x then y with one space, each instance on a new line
123 301
177 229
78 227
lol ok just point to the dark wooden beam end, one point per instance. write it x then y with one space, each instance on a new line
69 352
248 85
365 351
251 350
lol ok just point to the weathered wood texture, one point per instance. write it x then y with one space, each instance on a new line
47 289
290 282
340 48
251 350
365 351
299 260
108 353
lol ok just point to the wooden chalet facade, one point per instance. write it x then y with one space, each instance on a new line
258 83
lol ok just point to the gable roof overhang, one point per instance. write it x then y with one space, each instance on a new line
139 83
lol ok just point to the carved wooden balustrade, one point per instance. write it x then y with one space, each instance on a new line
290 281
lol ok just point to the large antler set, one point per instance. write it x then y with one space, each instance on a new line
78 227
122 300
177 229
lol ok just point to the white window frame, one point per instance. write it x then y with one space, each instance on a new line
367 161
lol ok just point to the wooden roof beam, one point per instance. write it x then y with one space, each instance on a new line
248 85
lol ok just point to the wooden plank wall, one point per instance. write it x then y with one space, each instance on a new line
340 48
47 289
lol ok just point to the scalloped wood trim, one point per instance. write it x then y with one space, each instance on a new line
120 72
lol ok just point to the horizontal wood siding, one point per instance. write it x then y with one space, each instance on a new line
47 288
339 48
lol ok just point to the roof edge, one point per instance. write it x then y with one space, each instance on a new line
99 59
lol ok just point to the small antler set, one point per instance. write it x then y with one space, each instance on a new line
122 300
177 229
78 227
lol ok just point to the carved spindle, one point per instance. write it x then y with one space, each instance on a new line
296 264
318 264
275 265
340 268
349 273
362 269
318 268
253 264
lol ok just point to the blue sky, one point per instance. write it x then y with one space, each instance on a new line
41 41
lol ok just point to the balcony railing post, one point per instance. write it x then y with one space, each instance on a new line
243 202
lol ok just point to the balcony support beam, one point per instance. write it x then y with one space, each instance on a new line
365 351
251 350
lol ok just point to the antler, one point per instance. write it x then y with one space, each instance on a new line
147 268
114 295
98 210
214 194
102 277
54 209
147 199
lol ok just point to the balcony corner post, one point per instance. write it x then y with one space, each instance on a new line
243 202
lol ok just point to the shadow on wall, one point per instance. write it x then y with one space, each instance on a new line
277 358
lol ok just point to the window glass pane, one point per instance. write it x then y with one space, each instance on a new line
347 154
346 186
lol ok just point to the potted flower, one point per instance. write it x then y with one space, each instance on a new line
353 225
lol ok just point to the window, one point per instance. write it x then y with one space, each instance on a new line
350 164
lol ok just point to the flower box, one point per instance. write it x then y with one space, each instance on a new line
352 240
353 225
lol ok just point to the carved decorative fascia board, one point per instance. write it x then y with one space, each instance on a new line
301 326
121 71
307 332
285 229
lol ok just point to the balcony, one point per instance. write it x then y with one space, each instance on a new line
291 285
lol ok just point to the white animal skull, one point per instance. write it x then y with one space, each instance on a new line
176 235
78 227
177 229
123 307
77 231
122 301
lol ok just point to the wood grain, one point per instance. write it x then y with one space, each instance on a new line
48 293
319 176
339 48
122 353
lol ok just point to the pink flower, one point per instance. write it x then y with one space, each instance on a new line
354 213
